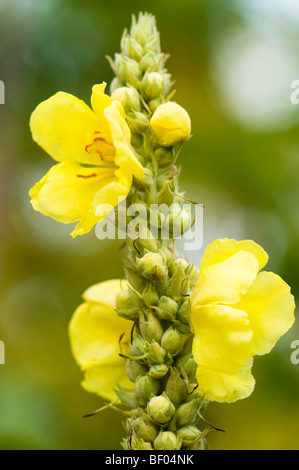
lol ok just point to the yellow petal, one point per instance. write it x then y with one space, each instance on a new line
227 281
121 138
94 332
68 191
222 337
64 126
225 388
102 379
220 250
105 292
270 307
99 101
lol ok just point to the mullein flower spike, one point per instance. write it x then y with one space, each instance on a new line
170 338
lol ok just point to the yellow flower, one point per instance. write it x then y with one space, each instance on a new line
95 330
96 161
170 124
236 312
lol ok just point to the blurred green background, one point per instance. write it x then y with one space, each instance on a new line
233 63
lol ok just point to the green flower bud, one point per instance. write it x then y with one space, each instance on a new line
150 327
127 69
129 98
134 370
155 103
152 85
139 346
144 30
188 434
150 296
176 284
138 444
161 409
184 314
128 304
148 62
146 183
194 276
167 308
188 364
158 371
165 196
131 48
152 266
165 440
127 396
145 430
186 413
138 122
178 221
172 341
178 263
156 354
115 84
145 387
134 278
176 387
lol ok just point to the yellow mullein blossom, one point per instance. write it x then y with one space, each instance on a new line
95 330
170 124
96 161
236 312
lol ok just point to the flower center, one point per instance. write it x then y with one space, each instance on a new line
101 147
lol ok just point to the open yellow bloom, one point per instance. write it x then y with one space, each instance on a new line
236 312
95 330
96 161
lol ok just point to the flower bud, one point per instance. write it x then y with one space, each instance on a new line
127 396
165 196
145 387
152 85
127 69
172 341
150 327
144 29
184 314
150 296
152 266
128 304
148 62
153 104
188 434
161 409
139 346
176 284
170 124
156 354
138 122
176 387
134 370
178 221
167 308
188 364
134 277
165 440
146 183
131 48
129 98
137 444
145 430
187 412
158 371
178 263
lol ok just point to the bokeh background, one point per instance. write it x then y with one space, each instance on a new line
233 63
